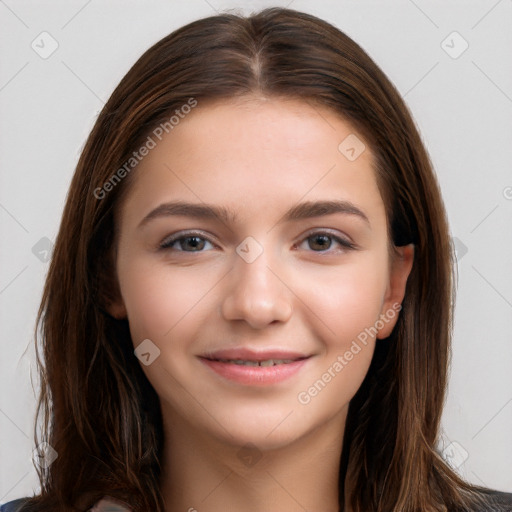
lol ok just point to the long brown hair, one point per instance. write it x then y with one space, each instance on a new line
97 409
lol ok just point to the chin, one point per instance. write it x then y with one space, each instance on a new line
265 428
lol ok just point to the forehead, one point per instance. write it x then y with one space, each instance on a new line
297 129
251 153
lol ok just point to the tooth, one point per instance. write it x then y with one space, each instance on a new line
266 363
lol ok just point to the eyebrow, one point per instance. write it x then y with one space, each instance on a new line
300 211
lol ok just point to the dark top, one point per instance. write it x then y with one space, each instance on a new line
502 503
12 506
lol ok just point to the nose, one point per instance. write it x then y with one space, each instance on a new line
256 294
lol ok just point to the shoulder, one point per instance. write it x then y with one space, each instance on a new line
107 504
13 506
499 502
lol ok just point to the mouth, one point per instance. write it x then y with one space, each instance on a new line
267 362
255 368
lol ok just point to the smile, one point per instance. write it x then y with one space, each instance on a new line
254 369
268 362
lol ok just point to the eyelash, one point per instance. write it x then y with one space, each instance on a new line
167 244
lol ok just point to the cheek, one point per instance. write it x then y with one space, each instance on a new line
346 300
346 309
158 301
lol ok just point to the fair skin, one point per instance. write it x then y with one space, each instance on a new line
292 292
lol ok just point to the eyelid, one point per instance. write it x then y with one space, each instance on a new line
344 240
327 231
169 240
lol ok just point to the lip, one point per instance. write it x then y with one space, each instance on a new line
254 375
246 354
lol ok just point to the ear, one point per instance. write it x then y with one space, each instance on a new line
117 309
111 297
400 268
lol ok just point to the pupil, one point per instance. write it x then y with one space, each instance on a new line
321 241
194 242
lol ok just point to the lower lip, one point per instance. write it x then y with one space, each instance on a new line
255 375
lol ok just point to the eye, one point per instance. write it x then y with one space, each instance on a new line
189 242
322 241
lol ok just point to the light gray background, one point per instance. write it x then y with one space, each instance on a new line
462 105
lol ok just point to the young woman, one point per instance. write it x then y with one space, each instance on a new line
249 304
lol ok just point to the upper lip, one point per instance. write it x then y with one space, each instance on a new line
245 354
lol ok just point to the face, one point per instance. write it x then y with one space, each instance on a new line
253 254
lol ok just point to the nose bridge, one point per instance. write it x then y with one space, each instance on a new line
256 278
256 294
252 273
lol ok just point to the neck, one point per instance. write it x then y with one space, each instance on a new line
210 475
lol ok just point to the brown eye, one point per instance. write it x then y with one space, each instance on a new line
319 242
193 243
187 243
323 242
